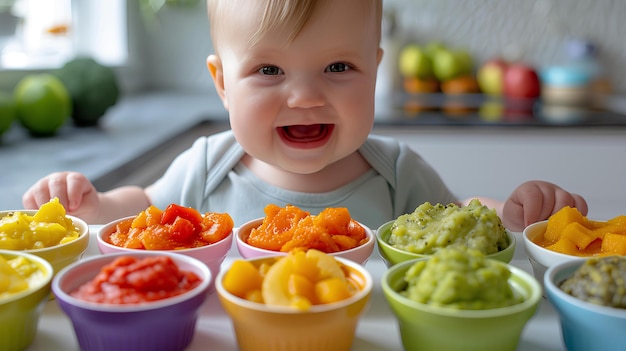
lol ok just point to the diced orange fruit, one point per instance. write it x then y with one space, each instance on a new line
569 232
241 278
578 234
331 290
558 221
614 244
290 228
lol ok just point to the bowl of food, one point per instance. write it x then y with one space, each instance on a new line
590 299
47 232
24 289
460 300
302 301
144 300
283 229
431 228
567 235
207 237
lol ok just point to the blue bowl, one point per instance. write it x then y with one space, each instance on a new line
585 326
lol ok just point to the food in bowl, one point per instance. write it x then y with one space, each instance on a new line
461 279
130 280
24 289
569 232
430 228
162 324
175 228
599 280
323 327
18 274
300 280
479 325
585 325
49 226
287 228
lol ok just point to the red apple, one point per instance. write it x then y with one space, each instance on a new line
521 81
490 76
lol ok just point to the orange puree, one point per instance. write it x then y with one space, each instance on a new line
128 280
287 228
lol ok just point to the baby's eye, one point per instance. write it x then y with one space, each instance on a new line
270 70
337 67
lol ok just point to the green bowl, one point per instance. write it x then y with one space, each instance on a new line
392 255
429 328
20 312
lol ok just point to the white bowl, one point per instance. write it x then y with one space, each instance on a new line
541 258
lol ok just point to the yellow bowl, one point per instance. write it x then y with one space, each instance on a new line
392 255
20 312
61 255
328 327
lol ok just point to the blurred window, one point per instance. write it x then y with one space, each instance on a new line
44 34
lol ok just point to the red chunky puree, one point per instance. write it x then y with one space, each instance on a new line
128 280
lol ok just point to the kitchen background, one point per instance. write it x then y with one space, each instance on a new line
168 91
171 52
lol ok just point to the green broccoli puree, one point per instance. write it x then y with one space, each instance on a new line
432 227
461 279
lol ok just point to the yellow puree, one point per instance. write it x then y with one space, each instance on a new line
49 226
16 275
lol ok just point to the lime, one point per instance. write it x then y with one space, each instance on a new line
92 87
7 111
43 103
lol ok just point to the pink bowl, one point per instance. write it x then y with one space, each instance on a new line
212 255
359 254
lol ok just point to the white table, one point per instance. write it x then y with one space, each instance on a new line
377 331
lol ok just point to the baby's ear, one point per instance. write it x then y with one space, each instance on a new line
214 64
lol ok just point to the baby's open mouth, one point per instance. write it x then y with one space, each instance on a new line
306 133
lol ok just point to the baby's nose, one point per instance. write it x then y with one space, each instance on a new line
305 92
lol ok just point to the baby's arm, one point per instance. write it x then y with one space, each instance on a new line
535 201
81 199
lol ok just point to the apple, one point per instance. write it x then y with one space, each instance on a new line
490 76
521 81
449 64
414 63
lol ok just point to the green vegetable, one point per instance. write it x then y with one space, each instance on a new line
462 279
432 227
93 89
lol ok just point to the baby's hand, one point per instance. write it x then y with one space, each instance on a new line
535 201
74 191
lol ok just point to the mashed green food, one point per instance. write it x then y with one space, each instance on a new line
601 281
432 227
461 279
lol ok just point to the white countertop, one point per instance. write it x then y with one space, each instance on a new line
377 330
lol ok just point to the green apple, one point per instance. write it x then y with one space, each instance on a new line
414 63
465 61
446 65
490 76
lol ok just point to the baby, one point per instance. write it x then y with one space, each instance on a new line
297 78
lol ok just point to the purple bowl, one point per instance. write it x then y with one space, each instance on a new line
167 324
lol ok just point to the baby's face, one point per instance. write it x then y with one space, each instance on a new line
304 104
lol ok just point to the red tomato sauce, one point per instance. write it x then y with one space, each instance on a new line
129 280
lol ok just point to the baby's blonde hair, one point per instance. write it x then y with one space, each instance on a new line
292 14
